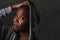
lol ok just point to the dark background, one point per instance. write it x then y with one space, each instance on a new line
49 18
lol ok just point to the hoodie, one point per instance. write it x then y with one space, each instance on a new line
7 30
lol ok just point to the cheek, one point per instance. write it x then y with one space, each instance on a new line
14 20
21 23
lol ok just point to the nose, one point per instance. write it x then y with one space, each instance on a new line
17 20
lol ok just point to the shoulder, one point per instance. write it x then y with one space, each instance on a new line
4 30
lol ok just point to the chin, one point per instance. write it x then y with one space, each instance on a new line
16 28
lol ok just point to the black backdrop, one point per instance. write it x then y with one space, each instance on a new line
49 18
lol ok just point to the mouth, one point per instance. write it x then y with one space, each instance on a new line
15 24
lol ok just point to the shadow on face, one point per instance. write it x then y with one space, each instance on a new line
21 19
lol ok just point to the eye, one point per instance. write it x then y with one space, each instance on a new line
22 18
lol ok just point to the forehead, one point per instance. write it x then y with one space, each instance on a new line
21 12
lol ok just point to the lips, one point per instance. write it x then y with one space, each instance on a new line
16 24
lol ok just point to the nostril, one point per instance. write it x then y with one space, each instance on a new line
17 21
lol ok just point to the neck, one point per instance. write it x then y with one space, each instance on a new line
23 36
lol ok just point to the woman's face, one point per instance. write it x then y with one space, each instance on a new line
20 19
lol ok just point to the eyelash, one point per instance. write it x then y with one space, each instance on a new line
22 18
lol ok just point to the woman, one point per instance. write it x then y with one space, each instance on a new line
23 21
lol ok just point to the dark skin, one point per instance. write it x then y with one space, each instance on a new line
20 19
19 22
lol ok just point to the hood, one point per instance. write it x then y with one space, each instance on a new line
34 14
